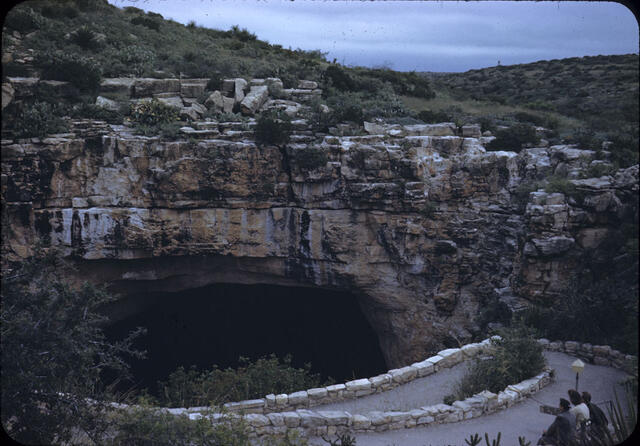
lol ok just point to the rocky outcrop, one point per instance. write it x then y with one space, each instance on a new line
420 223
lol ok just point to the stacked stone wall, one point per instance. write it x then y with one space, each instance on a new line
275 414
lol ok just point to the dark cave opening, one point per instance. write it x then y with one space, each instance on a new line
219 323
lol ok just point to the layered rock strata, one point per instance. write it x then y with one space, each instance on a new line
420 223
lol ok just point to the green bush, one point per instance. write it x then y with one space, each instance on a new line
513 138
560 184
85 38
624 149
83 72
54 353
339 78
23 19
152 113
517 356
215 82
67 10
146 21
145 426
132 59
38 120
595 311
431 117
241 34
273 127
93 111
530 118
185 388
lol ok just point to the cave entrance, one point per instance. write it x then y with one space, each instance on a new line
219 323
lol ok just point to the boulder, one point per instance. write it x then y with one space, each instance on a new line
145 87
174 101
373 128
227 104
307 85
7 94
189 113
57 89
254 99
471 131
553 245
193 88
107 103
275 86
24 86
239 87
198 107
214 101
119 85
442 129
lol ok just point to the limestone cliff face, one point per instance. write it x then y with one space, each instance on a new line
421 224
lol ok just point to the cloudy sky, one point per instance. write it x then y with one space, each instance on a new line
420 35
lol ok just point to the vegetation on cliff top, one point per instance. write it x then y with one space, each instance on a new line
578 100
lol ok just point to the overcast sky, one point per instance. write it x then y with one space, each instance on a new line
420 35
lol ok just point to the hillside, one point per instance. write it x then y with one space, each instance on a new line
578 100
586 99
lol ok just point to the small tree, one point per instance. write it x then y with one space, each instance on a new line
53 354
273 127
513 138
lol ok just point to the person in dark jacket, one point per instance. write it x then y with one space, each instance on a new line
599 422
562 430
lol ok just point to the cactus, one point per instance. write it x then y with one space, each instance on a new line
495 441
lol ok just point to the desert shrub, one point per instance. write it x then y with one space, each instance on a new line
215 82
255 379
54 353
273 127
23 19
14 69
93 111
145 21
517 356
430 116
85 38
38 120
598 170
585 139
167 130
624 149
560 184
513 138
152 113
595 311
83 72
132 59
310 158
142 426
241 34
527 117
67 10
522 191
339 78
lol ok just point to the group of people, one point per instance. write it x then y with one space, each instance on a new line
577 425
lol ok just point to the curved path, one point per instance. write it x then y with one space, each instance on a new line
522 419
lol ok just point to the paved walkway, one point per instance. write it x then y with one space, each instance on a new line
522 419
426 391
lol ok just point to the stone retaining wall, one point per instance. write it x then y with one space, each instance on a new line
359 387
595 354
282 412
